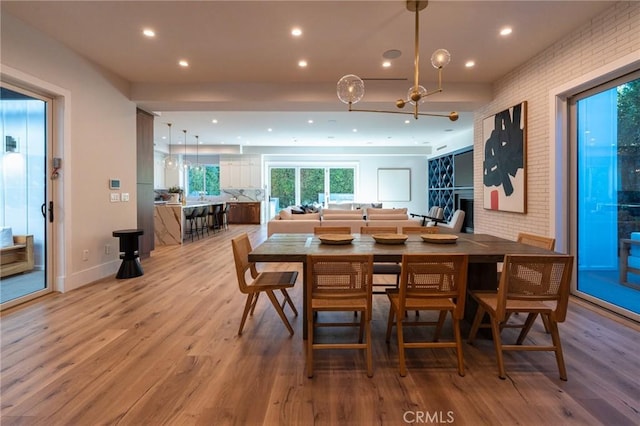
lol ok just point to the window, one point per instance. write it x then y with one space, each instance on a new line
311 184
204 180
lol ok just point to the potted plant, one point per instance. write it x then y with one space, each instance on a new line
175 192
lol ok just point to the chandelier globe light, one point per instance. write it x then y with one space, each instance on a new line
350 88
170 161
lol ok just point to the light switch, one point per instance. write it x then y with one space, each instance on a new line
125 196
115 197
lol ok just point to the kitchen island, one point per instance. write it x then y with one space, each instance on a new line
169 221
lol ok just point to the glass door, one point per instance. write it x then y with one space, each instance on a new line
606 126
24 195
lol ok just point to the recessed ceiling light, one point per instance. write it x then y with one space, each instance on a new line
148 32
407 121
310 121
470 64
355 130
214 121
296 32
386 64
269 129
505 31
302 63
183 63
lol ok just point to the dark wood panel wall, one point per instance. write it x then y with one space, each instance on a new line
144 185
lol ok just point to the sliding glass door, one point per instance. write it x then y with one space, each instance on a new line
606 131
24 194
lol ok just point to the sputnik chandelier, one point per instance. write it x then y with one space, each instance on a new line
350 88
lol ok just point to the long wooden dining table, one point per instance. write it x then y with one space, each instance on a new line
484 252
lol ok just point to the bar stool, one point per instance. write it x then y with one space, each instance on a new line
203 218
223 215
216 217
190 218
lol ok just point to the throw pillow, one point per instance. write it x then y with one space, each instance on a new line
6 237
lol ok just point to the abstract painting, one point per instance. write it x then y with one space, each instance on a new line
504 174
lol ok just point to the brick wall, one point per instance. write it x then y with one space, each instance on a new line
606 38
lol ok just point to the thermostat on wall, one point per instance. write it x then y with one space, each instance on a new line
114 183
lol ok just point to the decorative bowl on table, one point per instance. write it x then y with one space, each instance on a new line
390 238
335 239
439 238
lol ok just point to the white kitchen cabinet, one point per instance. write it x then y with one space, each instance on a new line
240 172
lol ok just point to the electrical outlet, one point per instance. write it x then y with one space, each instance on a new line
85 254
115 197
107 249
124 196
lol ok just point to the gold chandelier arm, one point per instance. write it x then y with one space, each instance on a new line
417 50
453 116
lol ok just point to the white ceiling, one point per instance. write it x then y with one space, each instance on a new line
243 61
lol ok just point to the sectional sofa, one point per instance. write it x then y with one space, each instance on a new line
287 222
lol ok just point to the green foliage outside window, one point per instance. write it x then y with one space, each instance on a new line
311 184
283 185
204 180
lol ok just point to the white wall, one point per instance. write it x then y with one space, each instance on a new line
97 127
605 39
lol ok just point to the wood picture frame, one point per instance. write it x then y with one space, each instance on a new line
394 184
504 166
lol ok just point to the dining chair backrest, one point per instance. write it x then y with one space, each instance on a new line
241 248
543 278
537 240
339 277
429 276
420 230
319 230
370 230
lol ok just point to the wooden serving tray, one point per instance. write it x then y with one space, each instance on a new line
439 238
390 238
335 239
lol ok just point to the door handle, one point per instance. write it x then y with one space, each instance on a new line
51 211
44 213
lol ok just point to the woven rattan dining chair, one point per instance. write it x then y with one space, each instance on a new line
383 268
532 284
547 243
429 282
339 283
420 230
267 282
319 230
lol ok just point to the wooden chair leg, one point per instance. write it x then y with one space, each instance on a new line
276 304
255 302
401 360
310 330
555 337
368 349
476 324
545 322
363 325
531 318
390 323
458 337
441 317
245 313
497 342
285 293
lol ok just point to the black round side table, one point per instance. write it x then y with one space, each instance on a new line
130 266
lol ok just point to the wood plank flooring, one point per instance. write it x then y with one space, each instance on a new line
162 349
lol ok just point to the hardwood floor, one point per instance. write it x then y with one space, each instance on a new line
162 349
